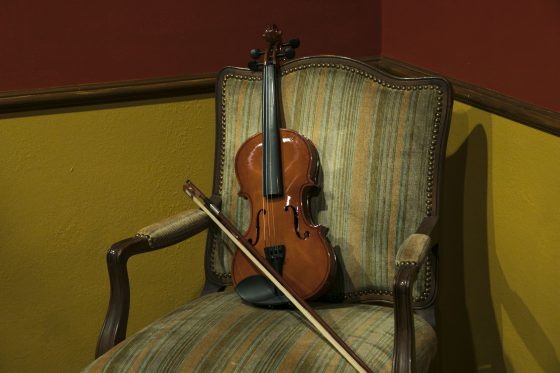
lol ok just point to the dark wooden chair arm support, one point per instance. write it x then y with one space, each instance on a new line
404 351
154 237
430 227
410 257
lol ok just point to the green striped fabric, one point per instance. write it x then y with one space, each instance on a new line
373 142
219 333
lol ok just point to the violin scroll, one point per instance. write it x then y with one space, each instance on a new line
276 50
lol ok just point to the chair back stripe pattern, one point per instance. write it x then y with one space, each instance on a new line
374 144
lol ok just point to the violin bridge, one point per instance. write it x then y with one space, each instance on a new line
275 256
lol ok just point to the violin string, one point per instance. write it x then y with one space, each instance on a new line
266 145
269 91
277 137
270 128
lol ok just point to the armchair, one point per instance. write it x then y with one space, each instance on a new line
382 141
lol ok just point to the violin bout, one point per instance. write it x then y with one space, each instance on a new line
280 227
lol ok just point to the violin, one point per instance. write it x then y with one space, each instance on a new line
277 171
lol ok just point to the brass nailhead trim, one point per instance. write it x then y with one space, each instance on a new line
352 70
406 263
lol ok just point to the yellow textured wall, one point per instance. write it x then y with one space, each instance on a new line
71 183
74 181
498 309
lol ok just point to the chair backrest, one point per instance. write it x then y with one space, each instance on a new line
381 141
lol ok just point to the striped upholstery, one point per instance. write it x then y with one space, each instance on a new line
218 333
373 140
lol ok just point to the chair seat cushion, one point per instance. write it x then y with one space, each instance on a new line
219 333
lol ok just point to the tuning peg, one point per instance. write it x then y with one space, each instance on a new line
254 65
289 53
256 53
294 43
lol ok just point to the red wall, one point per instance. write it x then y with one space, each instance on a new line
509 46
495 44
56 43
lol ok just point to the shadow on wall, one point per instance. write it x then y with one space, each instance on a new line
469 338
469 319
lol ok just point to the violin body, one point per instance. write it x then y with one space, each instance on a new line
277 170
283 221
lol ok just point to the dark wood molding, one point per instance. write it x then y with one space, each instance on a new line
99 93
485 99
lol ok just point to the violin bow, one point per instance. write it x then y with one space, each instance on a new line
268 271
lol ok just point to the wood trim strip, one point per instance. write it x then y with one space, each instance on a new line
488 100
89 94
485 99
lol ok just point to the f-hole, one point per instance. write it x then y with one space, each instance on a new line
258 227
305 235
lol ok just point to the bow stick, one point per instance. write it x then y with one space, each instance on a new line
266 269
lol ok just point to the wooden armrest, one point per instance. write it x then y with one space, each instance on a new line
175 229
413 250
410 257
156 236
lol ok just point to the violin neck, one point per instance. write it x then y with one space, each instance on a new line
272 168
